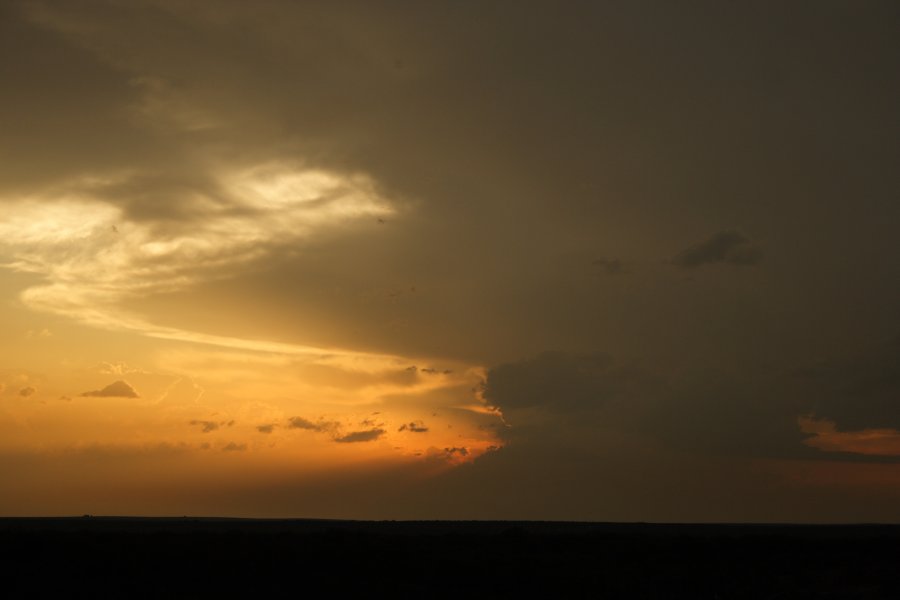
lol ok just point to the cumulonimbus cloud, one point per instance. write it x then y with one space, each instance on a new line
93 254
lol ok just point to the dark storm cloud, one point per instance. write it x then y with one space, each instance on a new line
588 397
610 266
368 435
117 389
859 392
730 247
632 134
702 436
512 137
562 381
269 428
234 447
27 391
84 99
719 415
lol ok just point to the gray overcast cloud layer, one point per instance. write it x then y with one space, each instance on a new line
734 164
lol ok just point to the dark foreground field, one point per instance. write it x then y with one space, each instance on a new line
195 558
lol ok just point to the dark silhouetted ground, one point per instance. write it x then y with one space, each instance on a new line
199 558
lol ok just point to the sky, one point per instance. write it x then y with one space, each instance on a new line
607 261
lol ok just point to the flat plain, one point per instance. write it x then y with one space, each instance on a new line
125 557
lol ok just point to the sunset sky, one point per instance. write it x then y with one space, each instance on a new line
617 261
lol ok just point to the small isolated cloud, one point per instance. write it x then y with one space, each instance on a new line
368 435
232 447
456 451
610 266
269 428
206 426
414 427
27 391
729 247
38 333
117 389
301 423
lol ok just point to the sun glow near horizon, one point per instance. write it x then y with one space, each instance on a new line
214 400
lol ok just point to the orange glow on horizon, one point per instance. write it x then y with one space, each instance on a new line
873 442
